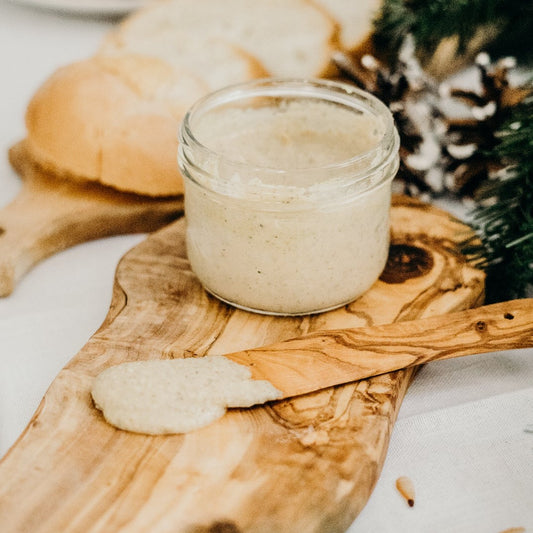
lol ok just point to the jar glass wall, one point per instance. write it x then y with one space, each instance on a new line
287 193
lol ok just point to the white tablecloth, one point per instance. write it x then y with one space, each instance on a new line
465 430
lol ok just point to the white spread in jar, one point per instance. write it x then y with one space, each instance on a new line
287 202
176 396
289 135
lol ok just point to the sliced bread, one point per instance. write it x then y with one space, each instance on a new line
213 59
289 37
113 120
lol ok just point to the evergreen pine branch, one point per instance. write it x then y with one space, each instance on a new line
430 22
503 219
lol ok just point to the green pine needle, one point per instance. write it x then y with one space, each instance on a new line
432 21
503 219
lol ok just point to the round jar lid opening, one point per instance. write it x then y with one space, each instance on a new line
269 135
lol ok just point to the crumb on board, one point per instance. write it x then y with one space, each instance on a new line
407 489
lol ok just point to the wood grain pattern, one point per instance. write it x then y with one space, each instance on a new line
51 213
307 464
327 358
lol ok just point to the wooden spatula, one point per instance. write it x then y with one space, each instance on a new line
323 359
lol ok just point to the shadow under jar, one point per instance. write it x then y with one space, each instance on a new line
287 193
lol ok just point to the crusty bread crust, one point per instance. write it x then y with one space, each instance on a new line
61 117
112 120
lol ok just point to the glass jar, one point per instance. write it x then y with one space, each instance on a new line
287 193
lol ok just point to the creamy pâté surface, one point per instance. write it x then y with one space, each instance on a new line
176 396
291 135
308 241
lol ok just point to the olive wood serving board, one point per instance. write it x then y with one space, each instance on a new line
52 213
307 464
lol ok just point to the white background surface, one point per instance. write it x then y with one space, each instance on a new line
465 430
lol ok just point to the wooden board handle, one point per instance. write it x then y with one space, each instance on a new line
328 358
52 213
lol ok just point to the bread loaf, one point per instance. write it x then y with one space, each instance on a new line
113 120
289 37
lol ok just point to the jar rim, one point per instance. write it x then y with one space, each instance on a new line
378 156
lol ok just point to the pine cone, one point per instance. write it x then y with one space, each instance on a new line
440 154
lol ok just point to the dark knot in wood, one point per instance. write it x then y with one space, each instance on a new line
406 262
